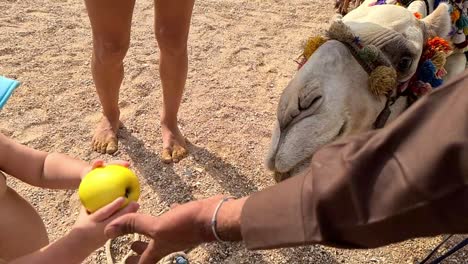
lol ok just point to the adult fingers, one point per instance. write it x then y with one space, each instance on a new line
129 224
132 260
139 247
151 255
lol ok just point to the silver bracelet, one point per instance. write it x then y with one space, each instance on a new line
215 214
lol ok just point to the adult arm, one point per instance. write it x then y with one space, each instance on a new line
409 179
410 176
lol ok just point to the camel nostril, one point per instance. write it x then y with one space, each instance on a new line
305 104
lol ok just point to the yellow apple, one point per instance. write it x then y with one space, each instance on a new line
103 185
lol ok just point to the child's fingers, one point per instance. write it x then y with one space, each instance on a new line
132 207
139 247
97 163
119 162
108 210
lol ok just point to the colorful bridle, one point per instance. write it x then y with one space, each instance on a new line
383 78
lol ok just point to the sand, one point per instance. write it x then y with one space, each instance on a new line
241 57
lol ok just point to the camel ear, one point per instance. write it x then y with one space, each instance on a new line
438 22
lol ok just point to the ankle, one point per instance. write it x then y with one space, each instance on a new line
169 123
112 116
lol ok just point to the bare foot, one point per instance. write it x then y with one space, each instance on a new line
174 145
105 136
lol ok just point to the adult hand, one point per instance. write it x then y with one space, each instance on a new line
183 227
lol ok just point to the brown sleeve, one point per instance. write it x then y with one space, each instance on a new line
409 179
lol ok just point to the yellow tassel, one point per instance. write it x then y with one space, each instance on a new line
312 44
465 30
439 60
382 80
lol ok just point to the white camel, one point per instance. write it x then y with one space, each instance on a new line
329 97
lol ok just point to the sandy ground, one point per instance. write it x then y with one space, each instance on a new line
241 57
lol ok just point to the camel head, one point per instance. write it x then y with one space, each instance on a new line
329 96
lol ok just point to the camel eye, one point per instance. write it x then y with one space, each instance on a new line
405 64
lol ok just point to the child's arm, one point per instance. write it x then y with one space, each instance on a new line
85 237
38 168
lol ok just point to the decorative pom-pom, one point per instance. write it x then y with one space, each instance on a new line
439 44
420 88
462 22
382 80
459 37
369 53
341 32
312 44
461 45
417 15
441 73
436 82
455 15
439 60
427 71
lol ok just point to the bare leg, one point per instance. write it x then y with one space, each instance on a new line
172 24
111 22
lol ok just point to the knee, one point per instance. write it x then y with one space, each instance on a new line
172 43
110 52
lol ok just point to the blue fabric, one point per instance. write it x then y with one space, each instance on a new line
7 86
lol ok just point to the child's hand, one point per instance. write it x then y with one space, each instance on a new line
92 225
100 163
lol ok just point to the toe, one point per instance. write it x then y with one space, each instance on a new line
166 155
101 147
94 144
178 153
112 146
